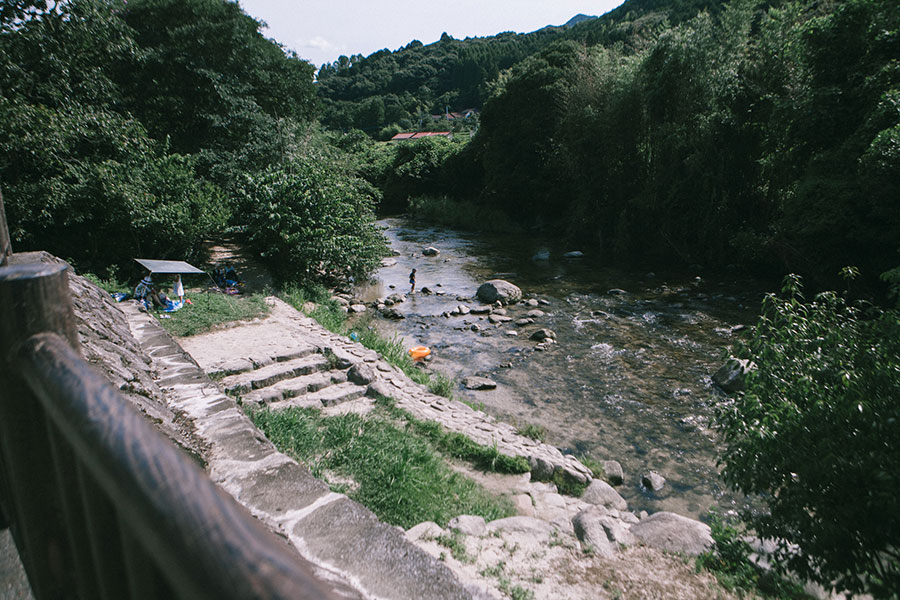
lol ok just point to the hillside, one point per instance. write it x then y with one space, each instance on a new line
386 91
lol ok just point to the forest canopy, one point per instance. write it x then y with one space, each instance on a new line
130 129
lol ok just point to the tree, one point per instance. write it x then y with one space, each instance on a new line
312 220
817 438
208 81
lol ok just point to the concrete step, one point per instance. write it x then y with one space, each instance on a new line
248 363
336 394
291 388
329 396
241 383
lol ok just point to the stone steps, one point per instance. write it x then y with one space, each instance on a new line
292 388
242 383
329 396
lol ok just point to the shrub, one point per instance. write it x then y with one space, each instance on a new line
311 221
817 436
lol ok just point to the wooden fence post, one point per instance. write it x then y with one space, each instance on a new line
5 244
34 298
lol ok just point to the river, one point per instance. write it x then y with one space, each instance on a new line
630 376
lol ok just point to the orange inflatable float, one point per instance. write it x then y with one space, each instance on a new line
419 352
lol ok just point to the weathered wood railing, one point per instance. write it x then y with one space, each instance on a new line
100 503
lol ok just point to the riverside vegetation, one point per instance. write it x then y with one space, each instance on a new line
759 135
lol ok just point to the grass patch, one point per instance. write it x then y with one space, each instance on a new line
596 467
330 315
535 432
111 285
210 310
399 475
455 541
567 485
455 444
729 561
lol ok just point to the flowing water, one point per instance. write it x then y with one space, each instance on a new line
629 379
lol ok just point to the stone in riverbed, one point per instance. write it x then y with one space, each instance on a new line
653 481
498 290
542 335
731 376
473 382
430 251
393 313
613 472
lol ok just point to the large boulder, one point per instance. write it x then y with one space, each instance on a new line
732 376
602 494
593 535
498 289
674 533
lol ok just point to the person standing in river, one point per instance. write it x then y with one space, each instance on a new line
412 282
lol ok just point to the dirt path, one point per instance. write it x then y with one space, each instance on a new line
248 265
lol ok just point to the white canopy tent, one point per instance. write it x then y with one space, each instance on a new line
168 266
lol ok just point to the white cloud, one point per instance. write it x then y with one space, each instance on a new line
318 43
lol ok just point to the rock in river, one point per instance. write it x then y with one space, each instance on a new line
543 334
498 289
732 375
479 383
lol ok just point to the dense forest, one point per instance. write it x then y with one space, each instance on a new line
142 129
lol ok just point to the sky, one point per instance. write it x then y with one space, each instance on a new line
322 30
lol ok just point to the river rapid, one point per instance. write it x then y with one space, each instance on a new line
630 377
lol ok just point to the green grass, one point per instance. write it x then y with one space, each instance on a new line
456 445
455 542
111 285
209 310
400 475
535 432
331 316
595 466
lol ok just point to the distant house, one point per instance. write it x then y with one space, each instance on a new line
418 135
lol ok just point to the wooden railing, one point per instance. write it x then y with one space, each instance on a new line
99 502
